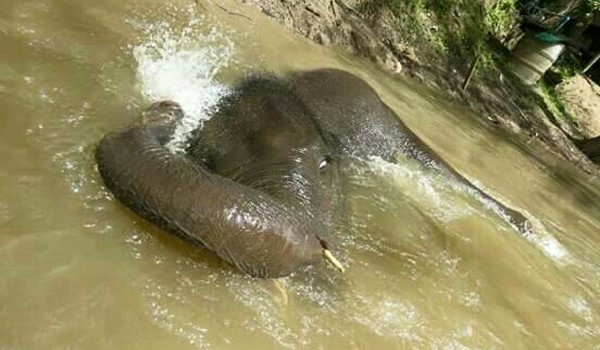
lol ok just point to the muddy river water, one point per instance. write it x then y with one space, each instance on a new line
428 266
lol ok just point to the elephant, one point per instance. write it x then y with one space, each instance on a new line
260 183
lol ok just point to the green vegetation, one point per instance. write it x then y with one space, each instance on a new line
453 27
566 67
450 33
553 100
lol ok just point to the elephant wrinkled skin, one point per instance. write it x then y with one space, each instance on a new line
260 183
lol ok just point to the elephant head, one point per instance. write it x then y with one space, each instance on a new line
258 185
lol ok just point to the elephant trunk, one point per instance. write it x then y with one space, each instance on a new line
255 232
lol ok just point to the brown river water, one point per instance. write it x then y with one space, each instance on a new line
428 266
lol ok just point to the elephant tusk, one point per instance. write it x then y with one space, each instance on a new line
331 259
280 286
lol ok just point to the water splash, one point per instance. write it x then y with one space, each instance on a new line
430 189
388 317
536 233
178 59
434 191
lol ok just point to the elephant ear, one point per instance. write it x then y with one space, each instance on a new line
347 108
243 226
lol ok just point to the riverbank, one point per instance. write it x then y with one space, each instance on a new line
413 44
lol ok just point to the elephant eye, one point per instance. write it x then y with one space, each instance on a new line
324 162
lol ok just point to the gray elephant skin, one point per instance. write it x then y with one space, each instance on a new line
260 184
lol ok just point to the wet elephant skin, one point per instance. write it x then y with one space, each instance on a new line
260 184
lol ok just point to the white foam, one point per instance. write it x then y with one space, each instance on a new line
430 189
546 242
537 234
434 188
389 318
581 307
180 63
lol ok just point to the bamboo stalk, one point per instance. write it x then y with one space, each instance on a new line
471 71
592 62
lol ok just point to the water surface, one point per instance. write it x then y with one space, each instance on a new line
428 265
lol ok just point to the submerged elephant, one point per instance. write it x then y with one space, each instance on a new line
260 183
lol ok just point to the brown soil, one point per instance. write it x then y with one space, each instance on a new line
582 102
380 37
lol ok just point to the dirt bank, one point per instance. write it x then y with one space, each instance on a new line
581 98
387 40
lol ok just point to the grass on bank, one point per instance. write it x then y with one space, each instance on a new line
555 103
458 28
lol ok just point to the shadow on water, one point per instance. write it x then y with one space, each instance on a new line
177 247
319 275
